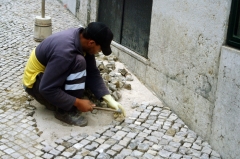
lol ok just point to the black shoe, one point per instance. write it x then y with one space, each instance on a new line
71 117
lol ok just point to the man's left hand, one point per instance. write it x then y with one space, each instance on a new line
113 104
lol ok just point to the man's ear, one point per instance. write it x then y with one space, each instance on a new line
91 42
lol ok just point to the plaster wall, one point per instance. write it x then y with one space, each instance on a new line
226 122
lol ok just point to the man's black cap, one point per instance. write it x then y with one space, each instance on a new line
102 35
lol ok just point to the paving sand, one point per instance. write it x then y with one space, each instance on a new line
53 129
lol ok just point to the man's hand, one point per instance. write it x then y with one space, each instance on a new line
84 105
113 104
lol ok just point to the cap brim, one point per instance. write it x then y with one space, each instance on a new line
107 51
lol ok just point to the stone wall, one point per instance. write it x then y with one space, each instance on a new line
226 123
186 67
185 42
72 5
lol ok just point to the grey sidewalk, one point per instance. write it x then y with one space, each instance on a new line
151 132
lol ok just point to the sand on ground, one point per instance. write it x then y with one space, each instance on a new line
53 129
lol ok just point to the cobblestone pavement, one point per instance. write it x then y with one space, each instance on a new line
151 132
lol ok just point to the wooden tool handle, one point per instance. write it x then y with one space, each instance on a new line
107 109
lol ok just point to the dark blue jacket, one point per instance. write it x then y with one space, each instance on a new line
67 71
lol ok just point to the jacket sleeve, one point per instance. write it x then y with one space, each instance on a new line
53 80
94 80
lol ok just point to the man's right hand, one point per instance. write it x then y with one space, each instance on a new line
84 105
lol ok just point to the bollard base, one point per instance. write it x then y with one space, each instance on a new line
42 28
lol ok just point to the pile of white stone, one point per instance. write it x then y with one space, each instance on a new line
115 79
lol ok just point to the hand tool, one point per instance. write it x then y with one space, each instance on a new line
108 109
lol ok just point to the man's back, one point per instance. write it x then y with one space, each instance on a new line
64 44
